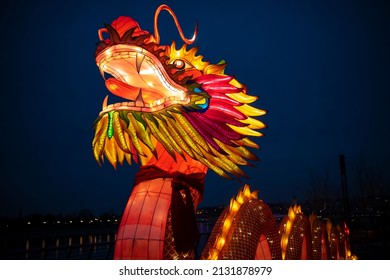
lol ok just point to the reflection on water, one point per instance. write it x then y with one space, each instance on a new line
86 247
75 243
98 244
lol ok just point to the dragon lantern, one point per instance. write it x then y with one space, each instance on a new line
179 117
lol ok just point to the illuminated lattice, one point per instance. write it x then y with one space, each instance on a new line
246 230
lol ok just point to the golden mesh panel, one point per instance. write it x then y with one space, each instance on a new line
334 243
319 240
300 230
253 219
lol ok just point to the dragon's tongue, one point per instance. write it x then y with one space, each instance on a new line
122 89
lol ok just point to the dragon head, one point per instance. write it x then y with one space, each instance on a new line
171 97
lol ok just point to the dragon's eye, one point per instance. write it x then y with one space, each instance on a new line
180 64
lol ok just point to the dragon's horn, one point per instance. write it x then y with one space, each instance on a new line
157 35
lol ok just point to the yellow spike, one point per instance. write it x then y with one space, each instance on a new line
144 136
244 152
120 153
217 161
216 169
192 131
110 151
226 226
128 156
214 69
192 51
232 156
142 133
227 164
250 111
101 128
253 123
167 134
242 97
98 128
174 130
237 159
131 131
246 142
255 195
234 205
189 141
245 130
214 254
100 142
148 154
247 191
235 169
98 149
189 56
236 83
99 124
291 213
161 138
234 150
118 132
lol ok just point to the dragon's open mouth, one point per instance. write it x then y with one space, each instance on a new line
139 77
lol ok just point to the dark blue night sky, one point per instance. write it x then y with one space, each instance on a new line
320 68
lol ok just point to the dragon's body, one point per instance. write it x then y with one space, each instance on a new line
180 117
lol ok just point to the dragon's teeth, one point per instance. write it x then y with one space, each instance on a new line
138 61
139 102
104 105
102 72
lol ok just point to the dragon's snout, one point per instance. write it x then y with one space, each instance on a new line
139 77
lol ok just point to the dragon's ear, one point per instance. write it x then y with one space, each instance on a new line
128 35
114 35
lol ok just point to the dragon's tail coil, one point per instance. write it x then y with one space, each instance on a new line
247 229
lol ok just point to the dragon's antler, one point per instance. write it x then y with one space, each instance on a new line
157 35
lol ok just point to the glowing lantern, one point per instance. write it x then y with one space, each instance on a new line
180 117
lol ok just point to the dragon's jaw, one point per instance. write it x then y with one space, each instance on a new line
139 77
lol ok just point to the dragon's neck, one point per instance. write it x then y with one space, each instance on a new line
159 219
